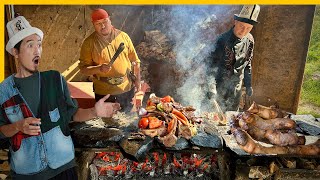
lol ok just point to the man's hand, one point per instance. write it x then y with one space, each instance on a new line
106 109
105 67
249 91
137 86
30 126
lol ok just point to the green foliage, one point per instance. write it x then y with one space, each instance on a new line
314 47
310 93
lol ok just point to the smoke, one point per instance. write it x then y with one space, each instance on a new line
193 30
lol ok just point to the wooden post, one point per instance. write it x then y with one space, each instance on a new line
223 164
84 159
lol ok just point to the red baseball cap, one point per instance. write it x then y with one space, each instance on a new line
98 14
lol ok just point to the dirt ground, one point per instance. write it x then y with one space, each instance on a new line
310 108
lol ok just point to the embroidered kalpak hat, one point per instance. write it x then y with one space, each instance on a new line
249 14
18 29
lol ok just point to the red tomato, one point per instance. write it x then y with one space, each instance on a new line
154 122
143 123
166 99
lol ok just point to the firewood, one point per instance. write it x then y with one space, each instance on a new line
289 162
273 167
306 164
260 172
296 174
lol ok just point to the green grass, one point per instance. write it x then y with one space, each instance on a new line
310 93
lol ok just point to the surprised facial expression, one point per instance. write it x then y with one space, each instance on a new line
29 53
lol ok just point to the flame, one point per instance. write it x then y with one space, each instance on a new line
197 162
144 164
106 158
99 155
164 160
176 163
134 166
188 164
117 156
156 158
205 166
124 169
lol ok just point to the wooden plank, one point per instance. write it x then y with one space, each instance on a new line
297 174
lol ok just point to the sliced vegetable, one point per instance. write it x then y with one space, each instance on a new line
182 118
154 122
170 125
167 99
151 108
143 123
160 107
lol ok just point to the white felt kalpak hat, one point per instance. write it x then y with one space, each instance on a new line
249 14
18 29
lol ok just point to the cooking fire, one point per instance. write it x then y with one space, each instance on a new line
156 164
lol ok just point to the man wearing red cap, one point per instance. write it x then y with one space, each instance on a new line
118 78
230 62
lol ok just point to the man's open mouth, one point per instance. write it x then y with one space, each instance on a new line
36 60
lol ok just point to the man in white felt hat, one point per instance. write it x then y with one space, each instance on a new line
36 109
230 62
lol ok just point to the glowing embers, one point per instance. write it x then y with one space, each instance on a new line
156 164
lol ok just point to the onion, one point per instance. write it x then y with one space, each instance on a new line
142 111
